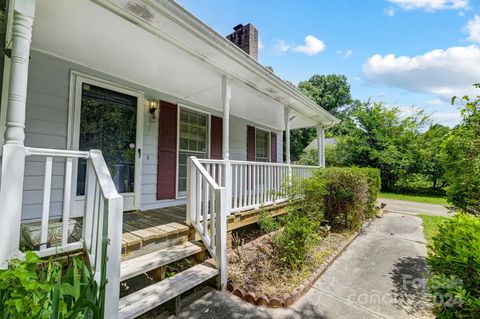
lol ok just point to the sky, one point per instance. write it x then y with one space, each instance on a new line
405 53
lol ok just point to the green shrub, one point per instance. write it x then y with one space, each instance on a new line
266 222
343 197
296 239
454 262
33 288
374 182
347 196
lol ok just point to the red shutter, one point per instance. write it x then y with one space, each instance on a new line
273 147
250 143
216 137
167 151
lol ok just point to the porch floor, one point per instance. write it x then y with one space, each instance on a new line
145 230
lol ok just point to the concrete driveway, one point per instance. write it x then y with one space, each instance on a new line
401 206
378 276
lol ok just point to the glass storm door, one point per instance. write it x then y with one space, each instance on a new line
108 122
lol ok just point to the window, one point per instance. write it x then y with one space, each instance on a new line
262 146
193 141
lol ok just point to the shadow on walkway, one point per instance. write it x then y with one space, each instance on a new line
410 286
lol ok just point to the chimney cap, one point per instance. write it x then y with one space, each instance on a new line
238 27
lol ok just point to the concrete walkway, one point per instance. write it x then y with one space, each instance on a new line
415 208
378 276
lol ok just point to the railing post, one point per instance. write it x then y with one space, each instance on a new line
113 232
221 236
89 205
190 193
228 185
321 146
13 161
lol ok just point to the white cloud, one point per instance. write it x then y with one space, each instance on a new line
473 29
282 46
390 11
345 54
446 118
431 5
435 102
312 46
444 73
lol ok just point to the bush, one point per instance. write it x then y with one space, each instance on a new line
347 196
266 222
374 182
33 288
343 197
454 262
296 239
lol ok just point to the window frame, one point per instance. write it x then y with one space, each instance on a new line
269 142
180 108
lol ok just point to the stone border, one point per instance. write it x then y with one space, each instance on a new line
289 299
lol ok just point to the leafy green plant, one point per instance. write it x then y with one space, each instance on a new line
347 196
267 222
33 288
374 182
462 157
296 239
454 262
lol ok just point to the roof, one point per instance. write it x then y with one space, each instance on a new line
313 144
200 30
167 51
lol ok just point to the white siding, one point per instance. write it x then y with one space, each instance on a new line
47 126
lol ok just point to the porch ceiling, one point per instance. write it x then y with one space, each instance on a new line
156 52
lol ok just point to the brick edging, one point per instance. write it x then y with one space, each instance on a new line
288 299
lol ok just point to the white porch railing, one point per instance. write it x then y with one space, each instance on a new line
102 219
216 188
207 210
254 184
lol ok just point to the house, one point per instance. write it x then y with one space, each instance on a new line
327 141
110 106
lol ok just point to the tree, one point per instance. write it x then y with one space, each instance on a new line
462 157
428 149
332 91
380 138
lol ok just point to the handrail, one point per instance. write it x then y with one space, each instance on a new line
34 151
207 210
255 184
107 186
102 219
270 164
205 174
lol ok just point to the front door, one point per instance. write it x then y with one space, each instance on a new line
108 121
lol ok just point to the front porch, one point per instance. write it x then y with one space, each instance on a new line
210 137
155 229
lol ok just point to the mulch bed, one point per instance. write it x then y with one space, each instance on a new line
257 275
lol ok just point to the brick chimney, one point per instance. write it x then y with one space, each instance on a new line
246 38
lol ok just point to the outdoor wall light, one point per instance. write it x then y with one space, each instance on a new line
153 106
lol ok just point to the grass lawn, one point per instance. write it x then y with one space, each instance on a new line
430 226
416 198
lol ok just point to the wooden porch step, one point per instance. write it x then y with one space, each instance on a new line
144 300
138 265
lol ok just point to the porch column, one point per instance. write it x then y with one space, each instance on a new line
226 96
321 145
286 118
13 160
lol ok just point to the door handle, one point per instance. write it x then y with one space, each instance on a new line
139 153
